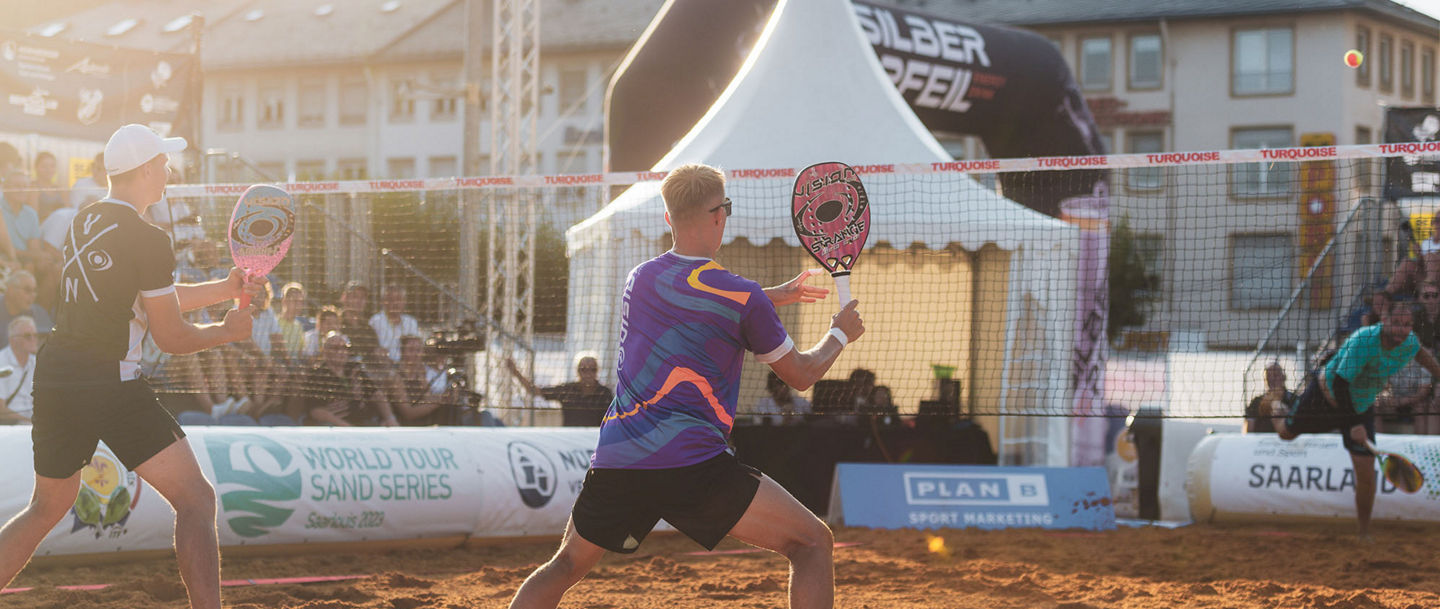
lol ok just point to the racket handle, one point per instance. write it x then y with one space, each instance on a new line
842 285
244 301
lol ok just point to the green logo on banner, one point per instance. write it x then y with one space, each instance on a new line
267 473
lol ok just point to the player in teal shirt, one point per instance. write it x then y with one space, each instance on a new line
1351 380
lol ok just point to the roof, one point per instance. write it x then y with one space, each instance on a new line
565 25
264 33
776 113
1060 12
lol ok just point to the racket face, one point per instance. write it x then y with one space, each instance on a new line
1403 474
261 229
831 214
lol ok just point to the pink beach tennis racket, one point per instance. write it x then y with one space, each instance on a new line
260 231
831 214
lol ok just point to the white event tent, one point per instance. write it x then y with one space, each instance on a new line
953 273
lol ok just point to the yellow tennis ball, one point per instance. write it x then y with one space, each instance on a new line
1353 58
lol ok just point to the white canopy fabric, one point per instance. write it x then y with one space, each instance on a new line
813 91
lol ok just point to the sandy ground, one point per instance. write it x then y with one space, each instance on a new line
1238 567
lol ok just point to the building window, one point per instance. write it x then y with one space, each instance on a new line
1261 179
1362 44
1151 248
1262 271
1107 139
400 169
354 97
446 105
1387 63
1095 63
272 108
352 169
443 167
402 102
1263 62
574 90
1427 75
309 171
312 105
1145 178
1407 69
1363 167
273 171
232 109
1147 61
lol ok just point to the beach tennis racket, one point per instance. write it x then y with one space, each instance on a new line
831 214
1399 470
261 229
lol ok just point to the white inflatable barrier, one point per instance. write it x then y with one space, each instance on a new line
296 485
1259 477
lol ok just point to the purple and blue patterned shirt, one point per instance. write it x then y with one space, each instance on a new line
685 325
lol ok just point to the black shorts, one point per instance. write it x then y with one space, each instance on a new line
1315 414
618 507
68 421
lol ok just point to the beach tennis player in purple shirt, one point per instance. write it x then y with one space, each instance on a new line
685 325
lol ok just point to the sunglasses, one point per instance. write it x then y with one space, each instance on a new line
727 205
1429 295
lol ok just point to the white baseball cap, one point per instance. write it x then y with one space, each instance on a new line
134 145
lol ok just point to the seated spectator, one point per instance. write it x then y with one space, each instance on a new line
583 403
326 322
1409 269
1430 250
26 245
19 357
291 338
354 324
91 188
392 322
1409 390
339 393
1427 316
780 405
266 375
9 158
426 395
50 196
882 402
862 383
19 299
1258 412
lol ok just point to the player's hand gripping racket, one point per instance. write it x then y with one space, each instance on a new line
1398 470
260 231
831 214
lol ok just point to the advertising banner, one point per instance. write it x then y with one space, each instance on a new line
63 88
1234 475
307 485
1317 221
1416 132
897 496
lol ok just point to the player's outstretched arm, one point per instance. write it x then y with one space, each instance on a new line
1427 361
175 335
198 295
800 369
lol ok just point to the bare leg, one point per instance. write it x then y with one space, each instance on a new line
777 522
50 501
1365 479
175 474
544 588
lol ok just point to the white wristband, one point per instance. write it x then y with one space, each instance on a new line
840 336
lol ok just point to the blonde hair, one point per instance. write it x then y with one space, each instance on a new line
689 188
